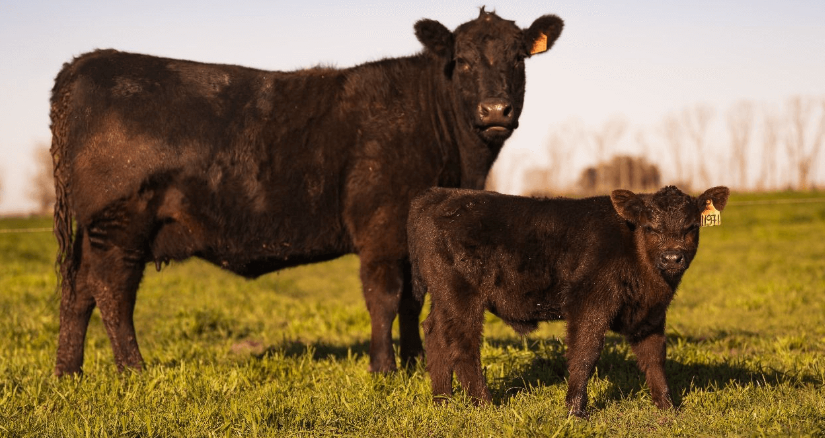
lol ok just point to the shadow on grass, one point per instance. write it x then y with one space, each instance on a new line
319 350
618 367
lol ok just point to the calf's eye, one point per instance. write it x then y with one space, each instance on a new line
691 229
650 230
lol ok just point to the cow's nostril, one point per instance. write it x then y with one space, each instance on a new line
495 111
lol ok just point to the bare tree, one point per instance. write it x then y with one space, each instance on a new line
673 133
806 131
546 180
606 138
559 154
770 140
41 190
740 126
504 171
695 121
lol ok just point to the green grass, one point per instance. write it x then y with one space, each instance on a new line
286 354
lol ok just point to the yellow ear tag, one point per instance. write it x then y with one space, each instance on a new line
711 216
540 45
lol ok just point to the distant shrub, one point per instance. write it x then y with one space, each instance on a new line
621 171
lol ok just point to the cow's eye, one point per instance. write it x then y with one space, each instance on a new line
461 64
691 229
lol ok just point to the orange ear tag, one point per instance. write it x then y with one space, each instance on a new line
711 216
540 45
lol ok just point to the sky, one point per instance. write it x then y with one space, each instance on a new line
640 60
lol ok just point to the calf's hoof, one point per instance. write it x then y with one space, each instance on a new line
663 403
384 368
578 413
61 372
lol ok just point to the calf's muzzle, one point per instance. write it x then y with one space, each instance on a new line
672 260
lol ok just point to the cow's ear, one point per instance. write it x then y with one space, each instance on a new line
435 37
630 206
541 35
718 195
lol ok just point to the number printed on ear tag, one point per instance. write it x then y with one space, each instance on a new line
711 216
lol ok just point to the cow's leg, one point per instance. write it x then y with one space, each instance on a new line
382 281
76 306
409 312
650 355
115 298
113 274
585 340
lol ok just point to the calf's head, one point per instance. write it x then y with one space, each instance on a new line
666 224
483 60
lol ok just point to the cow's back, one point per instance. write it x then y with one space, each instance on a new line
128 119
223 157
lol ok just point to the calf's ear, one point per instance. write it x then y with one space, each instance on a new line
541 35
630 207
435 37
718 195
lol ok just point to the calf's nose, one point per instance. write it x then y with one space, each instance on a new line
495 111
672 258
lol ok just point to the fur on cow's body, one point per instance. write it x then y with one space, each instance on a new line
599 263
159 159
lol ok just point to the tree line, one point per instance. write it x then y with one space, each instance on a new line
748 147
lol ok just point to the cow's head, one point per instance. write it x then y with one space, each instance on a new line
484 61
666 224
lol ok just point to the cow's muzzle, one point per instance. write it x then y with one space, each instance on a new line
496 116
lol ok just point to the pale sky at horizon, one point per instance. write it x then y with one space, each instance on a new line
641 60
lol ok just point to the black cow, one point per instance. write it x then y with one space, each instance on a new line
599 263
160 159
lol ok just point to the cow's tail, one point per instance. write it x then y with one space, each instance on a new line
60 120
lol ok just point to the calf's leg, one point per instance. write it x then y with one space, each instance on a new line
650 355
453 330
465 344
439 363
585 340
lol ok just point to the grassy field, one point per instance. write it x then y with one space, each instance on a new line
286 354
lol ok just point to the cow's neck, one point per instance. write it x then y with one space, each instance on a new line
455 134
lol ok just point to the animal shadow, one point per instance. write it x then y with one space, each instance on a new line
618 367
295 348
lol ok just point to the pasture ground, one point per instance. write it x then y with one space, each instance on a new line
286 354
